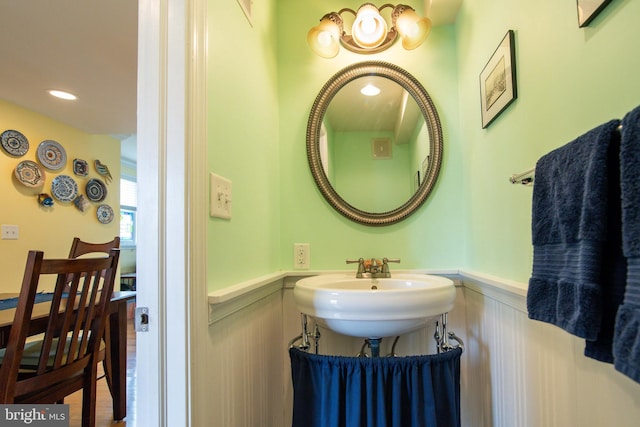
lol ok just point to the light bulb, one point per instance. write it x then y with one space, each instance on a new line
369 28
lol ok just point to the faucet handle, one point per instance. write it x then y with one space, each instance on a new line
356 261
385 265
360 262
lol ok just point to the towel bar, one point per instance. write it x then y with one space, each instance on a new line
526 178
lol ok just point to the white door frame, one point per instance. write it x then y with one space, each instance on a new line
172 200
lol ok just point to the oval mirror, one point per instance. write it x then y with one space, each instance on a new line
374 157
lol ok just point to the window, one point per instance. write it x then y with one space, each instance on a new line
128 207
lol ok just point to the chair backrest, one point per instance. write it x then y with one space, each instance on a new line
79 248
74 325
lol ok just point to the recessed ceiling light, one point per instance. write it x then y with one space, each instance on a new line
63 95
370 90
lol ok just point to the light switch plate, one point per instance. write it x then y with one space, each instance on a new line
9 232
220 198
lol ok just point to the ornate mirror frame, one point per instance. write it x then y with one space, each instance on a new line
322 101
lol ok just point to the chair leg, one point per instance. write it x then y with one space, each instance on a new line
107 374
89 392
106 362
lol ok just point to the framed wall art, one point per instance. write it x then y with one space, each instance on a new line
498 80
247 6
589 9
425 166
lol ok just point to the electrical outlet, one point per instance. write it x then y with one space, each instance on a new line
301 256
9 232
220 197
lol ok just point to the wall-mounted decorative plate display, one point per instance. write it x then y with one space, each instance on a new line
30 173
14 143
96 190
80 167
52 155
105 214
64 188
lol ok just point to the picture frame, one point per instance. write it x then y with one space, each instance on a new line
425 165
498 88
247 6
589 9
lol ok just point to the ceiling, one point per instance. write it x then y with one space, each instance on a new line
85 47
88 48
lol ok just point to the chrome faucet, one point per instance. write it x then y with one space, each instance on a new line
373 268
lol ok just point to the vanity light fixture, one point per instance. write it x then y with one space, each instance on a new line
370 32
63 95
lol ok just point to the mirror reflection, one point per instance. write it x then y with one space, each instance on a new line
375 156
379 150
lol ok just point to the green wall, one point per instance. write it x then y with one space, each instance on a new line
243 141
569 80
373 185
431 238
264 79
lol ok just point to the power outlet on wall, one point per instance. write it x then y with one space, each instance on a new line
301 256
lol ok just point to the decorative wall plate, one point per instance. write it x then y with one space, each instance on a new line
14 143
103 170
64 188
30 174
81 203
105 214
52 155
96 190
45 200
80 167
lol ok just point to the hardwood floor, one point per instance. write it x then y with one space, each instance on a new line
104 408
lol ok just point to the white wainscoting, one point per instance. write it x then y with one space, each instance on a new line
524 373
245 371
515 372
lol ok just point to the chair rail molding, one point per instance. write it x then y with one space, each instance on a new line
506 291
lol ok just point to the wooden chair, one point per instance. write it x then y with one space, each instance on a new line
79 248
66 358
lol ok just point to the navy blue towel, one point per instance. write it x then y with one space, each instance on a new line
614 264
337 391
626 343
569 232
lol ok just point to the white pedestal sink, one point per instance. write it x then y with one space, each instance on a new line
374 308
